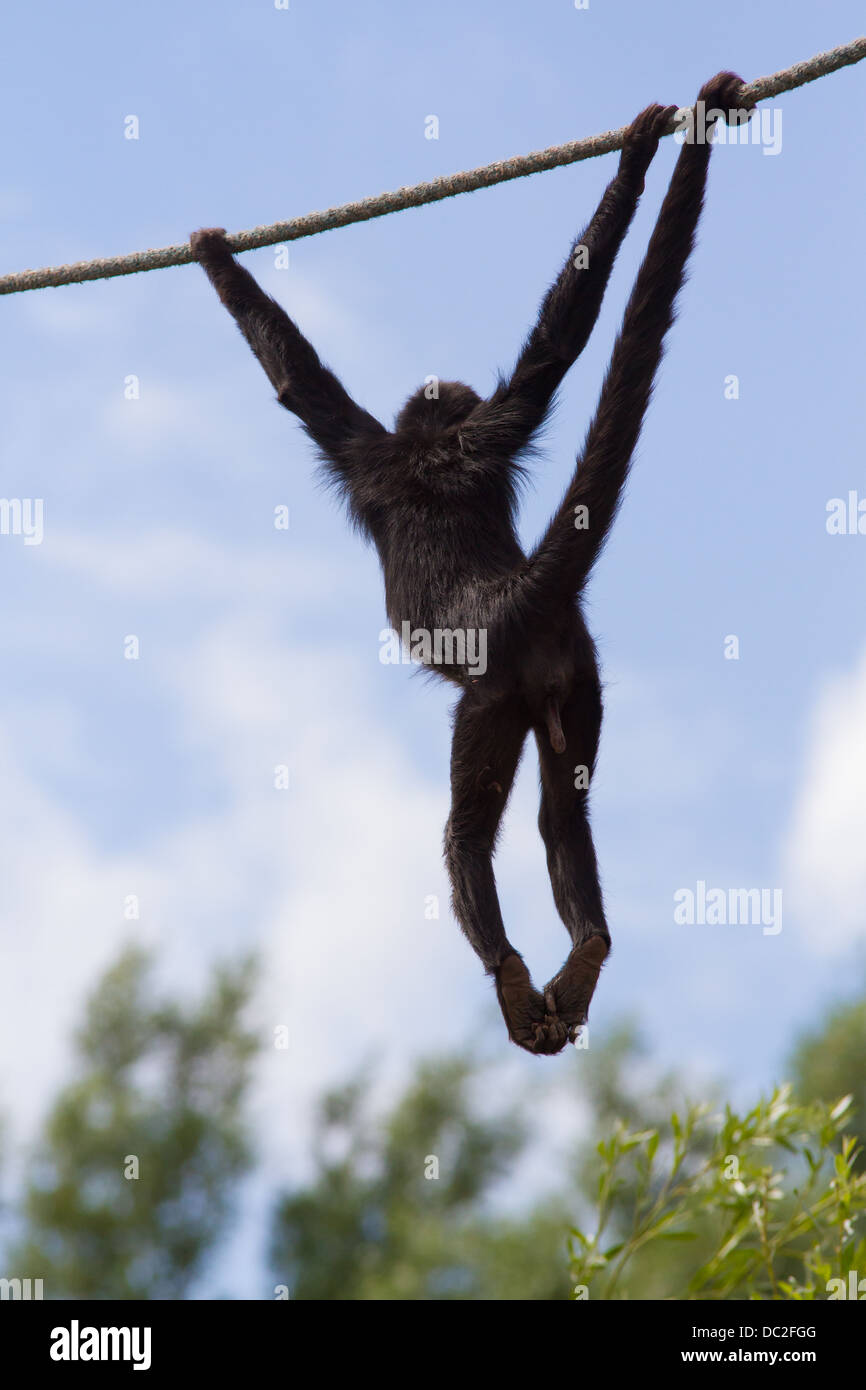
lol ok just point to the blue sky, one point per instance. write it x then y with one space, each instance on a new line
259 647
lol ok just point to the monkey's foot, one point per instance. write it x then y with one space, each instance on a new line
531 1024
568 994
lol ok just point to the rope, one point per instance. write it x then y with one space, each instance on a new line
447 186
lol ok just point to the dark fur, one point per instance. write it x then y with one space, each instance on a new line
437 497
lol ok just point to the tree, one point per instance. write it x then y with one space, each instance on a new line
831 1061
132 1180
673 1199
132 1183
768 1200
396 1209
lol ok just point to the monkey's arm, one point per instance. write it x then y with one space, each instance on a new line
303 385
564 557
572 304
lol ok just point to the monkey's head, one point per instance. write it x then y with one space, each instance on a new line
437 407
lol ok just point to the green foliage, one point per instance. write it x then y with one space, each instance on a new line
683 1201
829 1060
159 1084
759 1206
377 1223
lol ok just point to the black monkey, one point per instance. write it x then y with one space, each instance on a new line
437 496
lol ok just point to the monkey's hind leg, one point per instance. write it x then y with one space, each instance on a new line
564 825
488 738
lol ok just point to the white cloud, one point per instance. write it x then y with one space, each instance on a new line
824 853
327 880
165 561
62 924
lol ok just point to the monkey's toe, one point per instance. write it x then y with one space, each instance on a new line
529 1021
569 993
549 1038
543 1038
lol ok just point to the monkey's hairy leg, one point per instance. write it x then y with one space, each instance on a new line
488 738
564 824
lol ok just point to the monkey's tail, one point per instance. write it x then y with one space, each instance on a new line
561 563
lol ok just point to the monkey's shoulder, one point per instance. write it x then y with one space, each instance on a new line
431 473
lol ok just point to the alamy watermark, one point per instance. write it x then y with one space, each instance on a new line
698 125
444 646
719 907
23 1289
854 1290
77 1343
22 516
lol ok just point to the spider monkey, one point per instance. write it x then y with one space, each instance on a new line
437 496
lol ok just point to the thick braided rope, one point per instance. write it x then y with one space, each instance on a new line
446 187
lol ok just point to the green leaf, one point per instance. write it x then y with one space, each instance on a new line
840 1107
